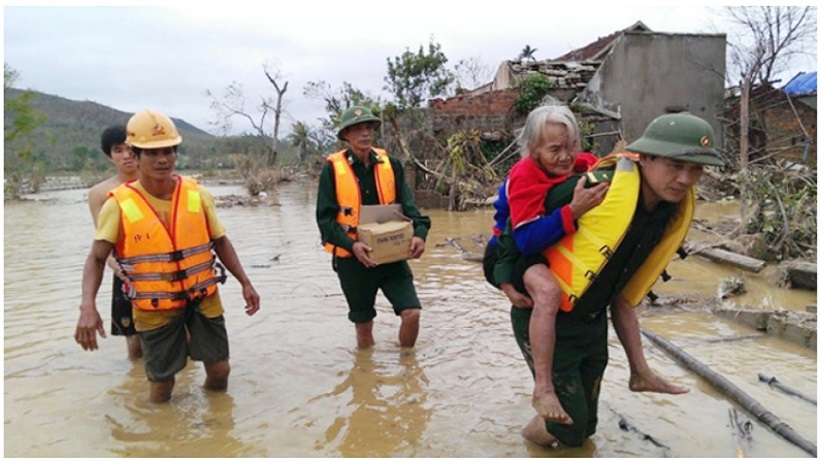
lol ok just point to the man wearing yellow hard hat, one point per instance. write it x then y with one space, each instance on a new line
164 231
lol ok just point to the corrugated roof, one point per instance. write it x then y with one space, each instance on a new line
801 84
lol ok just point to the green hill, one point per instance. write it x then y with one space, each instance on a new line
69 139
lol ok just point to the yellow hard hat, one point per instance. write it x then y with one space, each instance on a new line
150 129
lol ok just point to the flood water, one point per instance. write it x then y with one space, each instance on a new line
299 387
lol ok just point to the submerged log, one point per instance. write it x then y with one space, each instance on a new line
784 388
731 390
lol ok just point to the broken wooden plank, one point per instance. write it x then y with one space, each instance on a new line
727 257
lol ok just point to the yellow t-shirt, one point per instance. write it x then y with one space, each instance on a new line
109 229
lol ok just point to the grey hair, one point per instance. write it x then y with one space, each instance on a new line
553 112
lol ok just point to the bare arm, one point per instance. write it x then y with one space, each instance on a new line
228 255
90 323
642 378
97 196
626 324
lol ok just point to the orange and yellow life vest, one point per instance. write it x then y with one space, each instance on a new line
578 258
166 266
348 196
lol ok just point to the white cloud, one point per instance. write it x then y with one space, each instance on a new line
166 57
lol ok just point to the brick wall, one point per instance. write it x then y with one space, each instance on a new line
775 128
785 133
492 111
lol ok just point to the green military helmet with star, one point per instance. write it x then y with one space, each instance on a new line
681 136
354 116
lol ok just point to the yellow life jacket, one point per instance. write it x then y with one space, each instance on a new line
348 195
165 267
578 258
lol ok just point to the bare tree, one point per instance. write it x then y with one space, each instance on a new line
272 157
769 37
471 73
233 103
336 101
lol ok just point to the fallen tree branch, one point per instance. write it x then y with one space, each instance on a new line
784 388
625 425
731 390
403 143
501 157
742 433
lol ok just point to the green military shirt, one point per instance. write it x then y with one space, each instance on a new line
327 205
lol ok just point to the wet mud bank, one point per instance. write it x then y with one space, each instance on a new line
796 327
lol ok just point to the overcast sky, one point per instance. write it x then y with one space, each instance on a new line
165 58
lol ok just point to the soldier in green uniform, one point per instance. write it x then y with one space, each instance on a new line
366 175
656 181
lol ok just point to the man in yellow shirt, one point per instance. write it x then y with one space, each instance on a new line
164 230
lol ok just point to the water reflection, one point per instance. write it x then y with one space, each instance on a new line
196 423
386 414
297 390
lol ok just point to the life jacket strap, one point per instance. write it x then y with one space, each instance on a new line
172 256
175 275
196 291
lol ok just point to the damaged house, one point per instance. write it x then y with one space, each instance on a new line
782 121
621 82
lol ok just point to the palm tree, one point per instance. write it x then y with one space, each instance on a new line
527 53
301 137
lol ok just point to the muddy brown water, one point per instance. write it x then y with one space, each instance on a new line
300 388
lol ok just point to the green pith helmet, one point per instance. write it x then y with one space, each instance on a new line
354 116
681 136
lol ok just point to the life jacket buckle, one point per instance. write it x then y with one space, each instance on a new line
174 276
177 255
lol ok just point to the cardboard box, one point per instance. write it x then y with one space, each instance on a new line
390 241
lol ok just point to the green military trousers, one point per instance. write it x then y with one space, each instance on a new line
578 366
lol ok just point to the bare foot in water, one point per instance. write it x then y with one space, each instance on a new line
536 432
548 407
651 382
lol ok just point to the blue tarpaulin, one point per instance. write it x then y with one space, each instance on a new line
803 83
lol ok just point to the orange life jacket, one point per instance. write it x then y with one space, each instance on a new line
166 267
348 195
